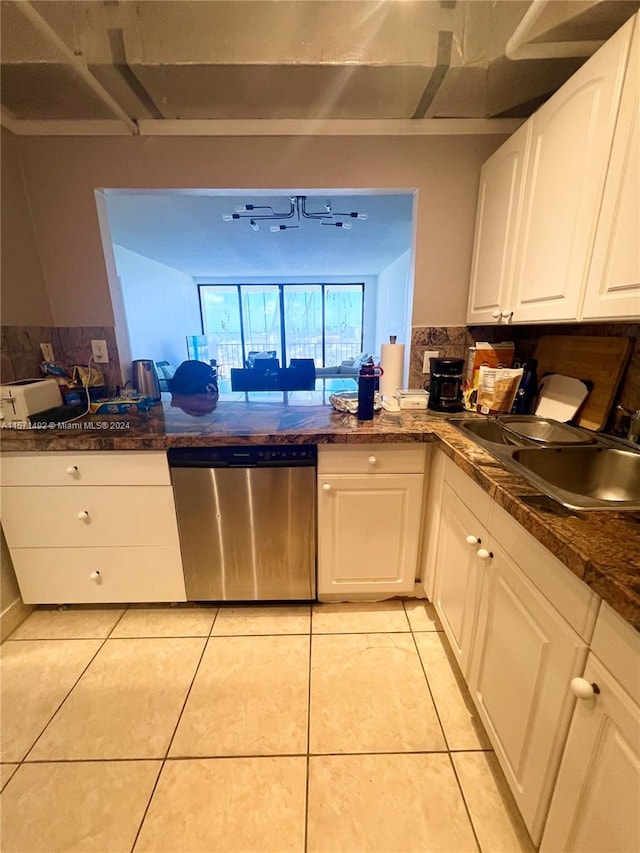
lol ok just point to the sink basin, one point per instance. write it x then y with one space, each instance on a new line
598 473
593 475
489 430
519 430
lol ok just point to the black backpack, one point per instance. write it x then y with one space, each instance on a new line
194 377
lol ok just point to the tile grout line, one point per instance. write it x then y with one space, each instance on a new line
306 796
448 752
164 760
466 806
73 686
166 755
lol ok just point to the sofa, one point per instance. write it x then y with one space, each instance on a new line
346 369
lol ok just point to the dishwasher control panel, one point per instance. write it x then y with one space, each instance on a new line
244 456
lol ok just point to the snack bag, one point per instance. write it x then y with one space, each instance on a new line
88 377
497 387
488 355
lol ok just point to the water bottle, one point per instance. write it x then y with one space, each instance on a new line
367 380
526 394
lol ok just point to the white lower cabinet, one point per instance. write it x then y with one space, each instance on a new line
99 575
457 585
519 623
524 657
596 802
92 527
368 523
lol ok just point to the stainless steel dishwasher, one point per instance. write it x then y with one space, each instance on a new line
247 521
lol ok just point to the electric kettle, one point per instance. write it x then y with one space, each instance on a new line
144 377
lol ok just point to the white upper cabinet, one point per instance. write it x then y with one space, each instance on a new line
571 139
613 286
547 191
499 201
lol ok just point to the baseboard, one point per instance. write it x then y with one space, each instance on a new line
12 616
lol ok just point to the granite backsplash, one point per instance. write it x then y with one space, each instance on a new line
454 341
21 357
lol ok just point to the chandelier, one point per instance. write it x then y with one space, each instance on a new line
297 211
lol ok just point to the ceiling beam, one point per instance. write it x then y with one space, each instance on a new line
328 127
77 64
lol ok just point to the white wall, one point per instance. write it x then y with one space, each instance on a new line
63 173
25 301
370 294
161 307
12 610
393 312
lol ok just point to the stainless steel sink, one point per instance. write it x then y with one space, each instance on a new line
489 430
595 475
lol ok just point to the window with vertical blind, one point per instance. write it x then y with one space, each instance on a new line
319 321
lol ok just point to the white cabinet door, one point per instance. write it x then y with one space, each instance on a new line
499 200
458 580
568 157
524 657
613 286
368 532
596 803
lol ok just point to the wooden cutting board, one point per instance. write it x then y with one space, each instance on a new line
598 360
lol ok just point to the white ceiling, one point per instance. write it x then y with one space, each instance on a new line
185 230
132 62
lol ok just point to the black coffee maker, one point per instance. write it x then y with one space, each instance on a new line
445 389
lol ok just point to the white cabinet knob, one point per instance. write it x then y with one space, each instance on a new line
496 315
483 554
72 470
472 540
506 315
326 487
96 577
583 689
83 515
372 460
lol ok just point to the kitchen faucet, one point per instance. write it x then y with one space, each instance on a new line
633 433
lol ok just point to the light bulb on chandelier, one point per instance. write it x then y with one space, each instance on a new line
296 212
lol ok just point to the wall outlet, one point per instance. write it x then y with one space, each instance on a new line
99 350
430 353
47 352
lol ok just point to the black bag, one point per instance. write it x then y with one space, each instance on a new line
194 377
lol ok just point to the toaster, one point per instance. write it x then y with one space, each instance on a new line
24 398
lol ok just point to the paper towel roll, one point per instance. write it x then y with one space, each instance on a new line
392 362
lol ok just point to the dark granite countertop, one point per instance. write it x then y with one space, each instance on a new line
601 548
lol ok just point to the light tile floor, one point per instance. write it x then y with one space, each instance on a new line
338 727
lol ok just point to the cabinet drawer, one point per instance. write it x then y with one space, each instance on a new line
104 468
49 517
469 492
372 459
67 575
